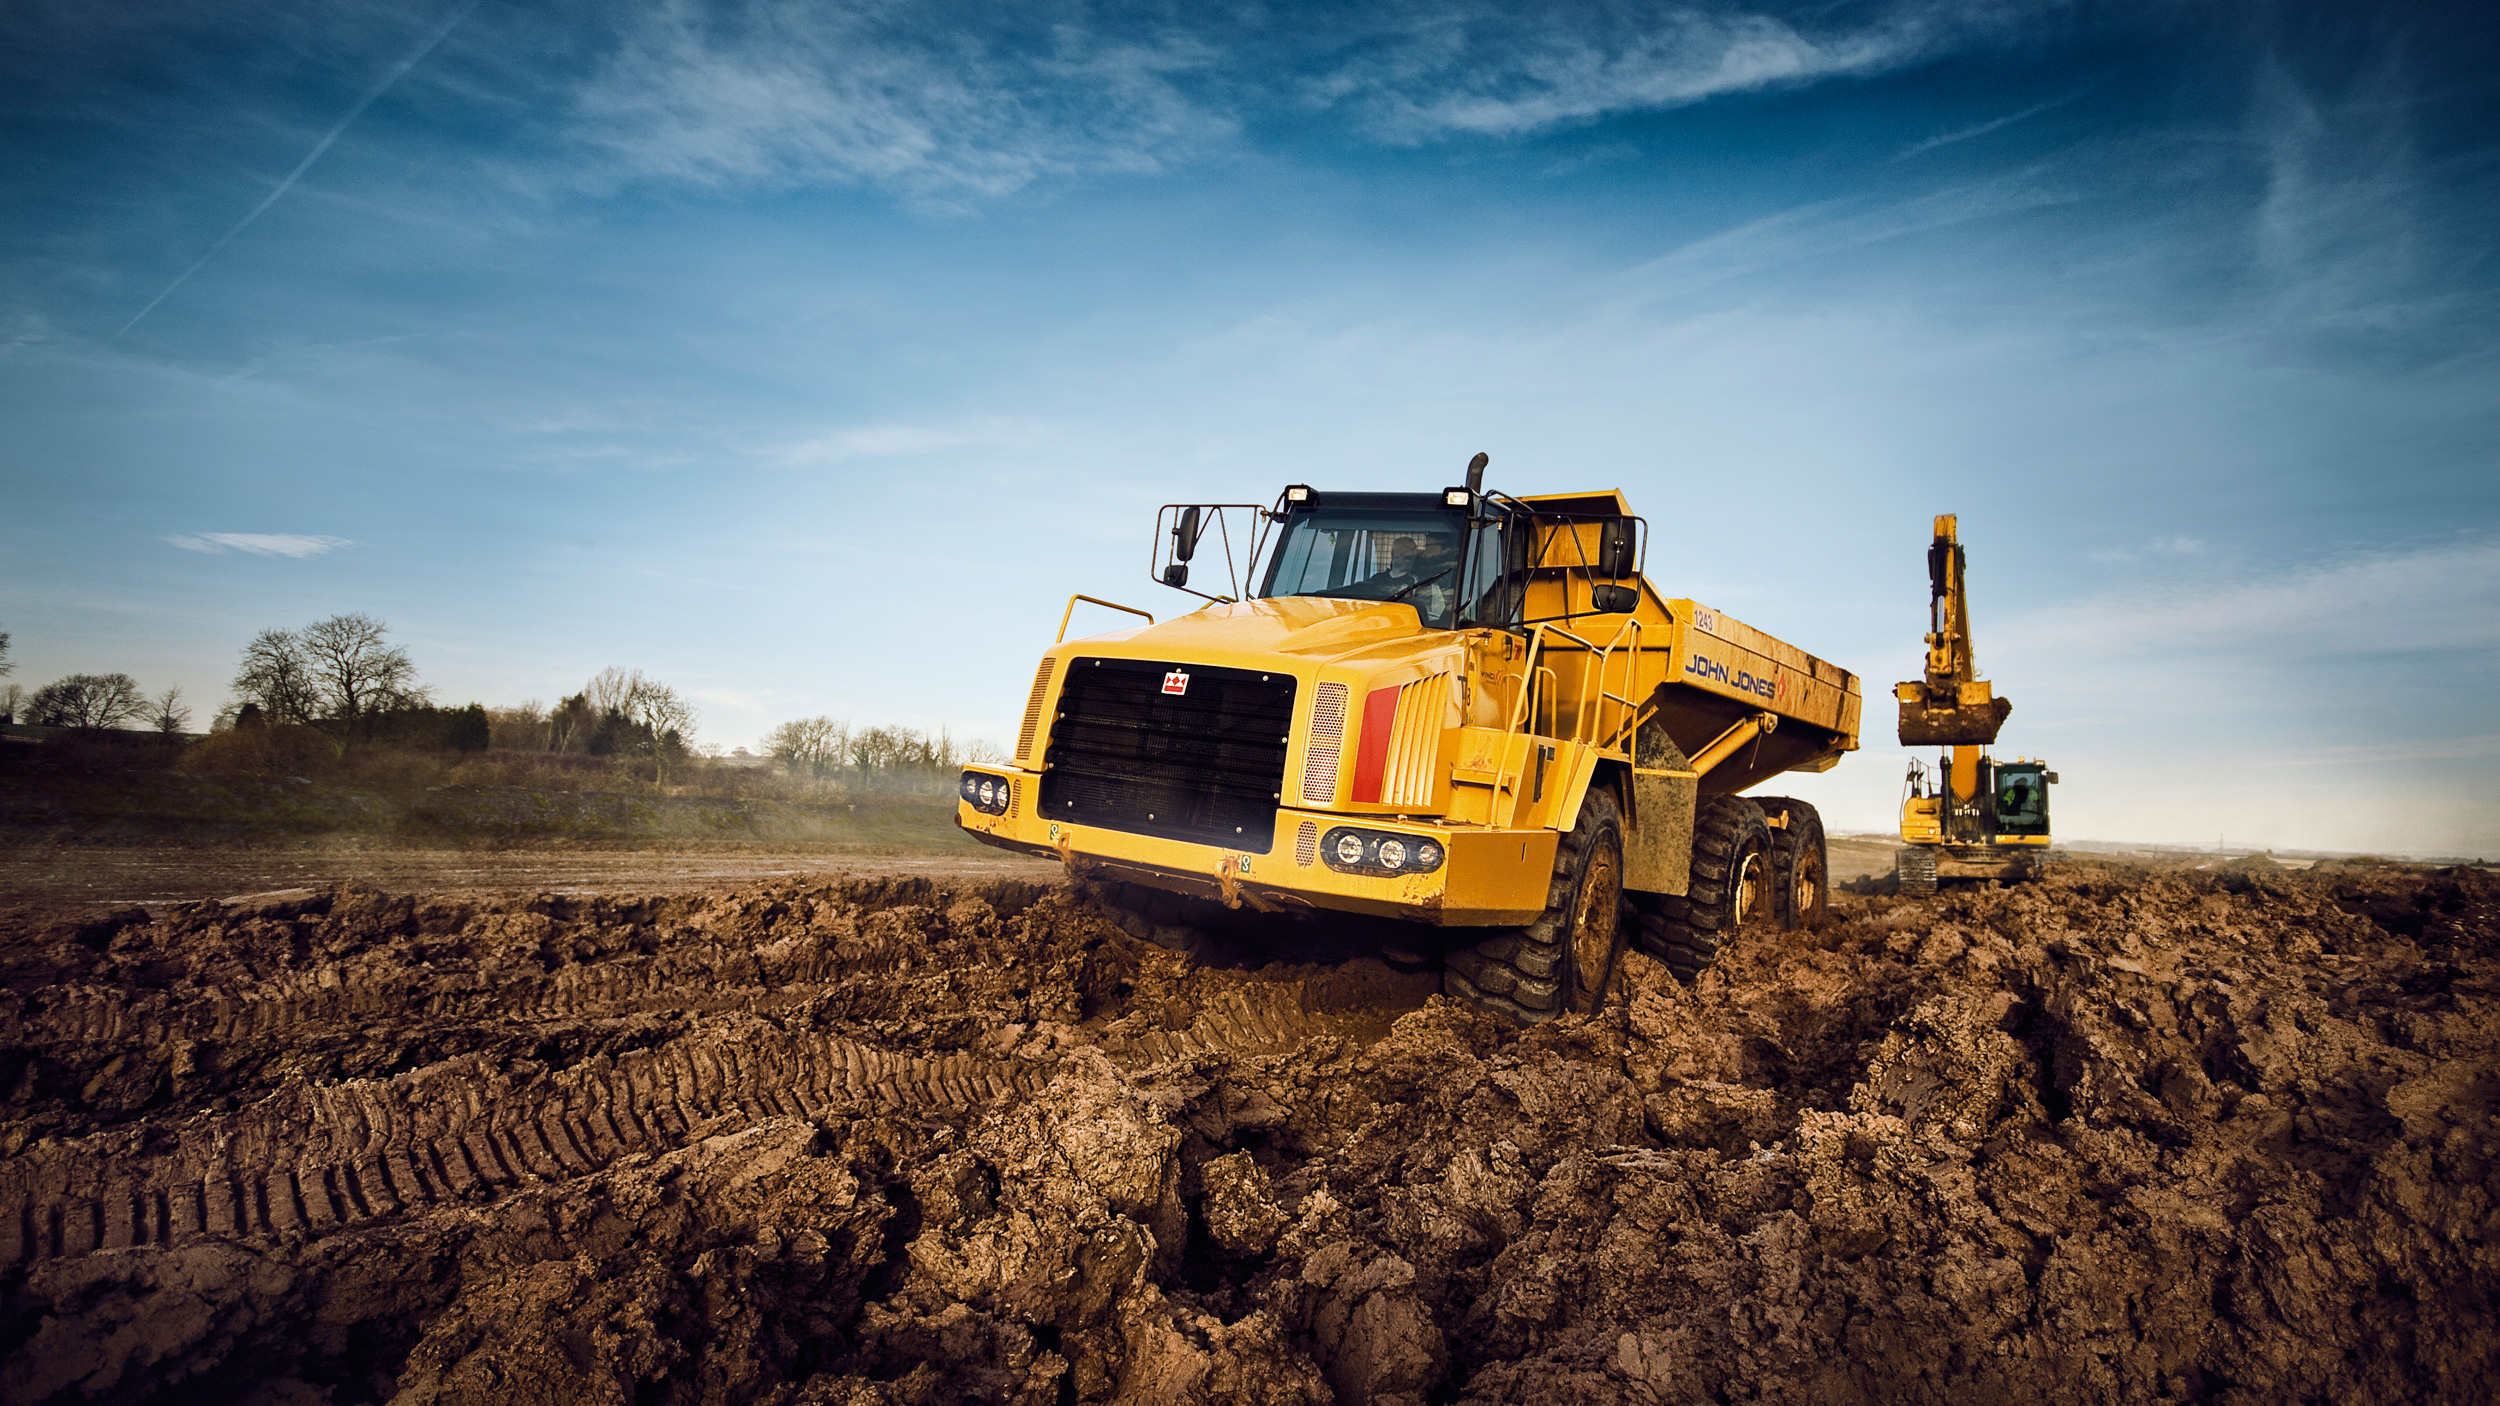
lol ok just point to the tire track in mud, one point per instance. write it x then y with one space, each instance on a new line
337 994
1252 1019
303 1160
312 1160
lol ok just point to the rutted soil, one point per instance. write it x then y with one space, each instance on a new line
2227 1135
107 876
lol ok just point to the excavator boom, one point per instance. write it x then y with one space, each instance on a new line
1952 706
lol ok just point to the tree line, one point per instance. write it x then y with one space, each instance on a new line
344 681
89 701
827 749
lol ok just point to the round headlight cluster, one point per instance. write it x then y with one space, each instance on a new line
986 793
1378 852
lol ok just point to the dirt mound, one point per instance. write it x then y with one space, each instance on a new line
2219 1136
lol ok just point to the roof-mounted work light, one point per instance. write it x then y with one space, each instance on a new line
1298 493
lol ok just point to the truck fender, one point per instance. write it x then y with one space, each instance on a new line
1583 770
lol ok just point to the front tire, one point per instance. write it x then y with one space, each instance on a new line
1568 957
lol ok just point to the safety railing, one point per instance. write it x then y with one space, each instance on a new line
1539 708
1070 612
1593 697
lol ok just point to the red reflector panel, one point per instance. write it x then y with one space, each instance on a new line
1380 714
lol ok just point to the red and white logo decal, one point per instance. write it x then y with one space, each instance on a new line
1176 682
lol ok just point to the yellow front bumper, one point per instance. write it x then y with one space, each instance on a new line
1487 877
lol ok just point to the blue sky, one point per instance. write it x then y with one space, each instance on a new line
809 356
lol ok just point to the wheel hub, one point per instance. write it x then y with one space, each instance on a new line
1593 922
1748 887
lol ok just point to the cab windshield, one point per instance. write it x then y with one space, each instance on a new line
2022 802
1364 551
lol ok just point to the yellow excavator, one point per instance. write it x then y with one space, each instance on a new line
1975 817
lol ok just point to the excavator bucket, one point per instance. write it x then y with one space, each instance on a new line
1962 725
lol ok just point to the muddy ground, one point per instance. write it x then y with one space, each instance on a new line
102 877
2119 1135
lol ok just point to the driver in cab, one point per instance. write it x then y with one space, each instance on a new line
1421 572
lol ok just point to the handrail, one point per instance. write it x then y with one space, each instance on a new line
1594 694
1070 612
1527 675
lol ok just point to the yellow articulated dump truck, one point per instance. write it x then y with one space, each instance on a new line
1977 817
1464 710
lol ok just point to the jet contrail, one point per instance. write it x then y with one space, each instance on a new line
397 72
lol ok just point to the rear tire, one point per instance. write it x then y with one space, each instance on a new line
1730 886
1800 863
1567 958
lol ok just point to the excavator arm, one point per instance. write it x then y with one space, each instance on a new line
1952 706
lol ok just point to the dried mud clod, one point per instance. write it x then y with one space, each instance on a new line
2231 1135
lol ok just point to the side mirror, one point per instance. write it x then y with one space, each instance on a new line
1176 575
1618 548
1185 538
1614 600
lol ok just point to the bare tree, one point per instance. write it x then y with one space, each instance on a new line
814 746
521 728
277 675
12 702
356 668
87 700
7 667
664 717
167 713
611 690
631 712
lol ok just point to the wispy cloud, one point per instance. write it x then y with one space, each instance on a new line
2175 546
2443 596
1505 71
1826 228
260 544
2370 754
1982 129
859 93
879 93
902 440
735 700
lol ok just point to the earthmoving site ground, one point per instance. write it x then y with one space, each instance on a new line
746 1132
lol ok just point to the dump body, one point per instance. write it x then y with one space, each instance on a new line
1284 751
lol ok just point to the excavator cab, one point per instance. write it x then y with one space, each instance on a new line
2022 798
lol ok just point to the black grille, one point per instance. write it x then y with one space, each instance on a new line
1204 765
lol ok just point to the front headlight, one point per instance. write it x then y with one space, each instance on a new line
1377 852
989 795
